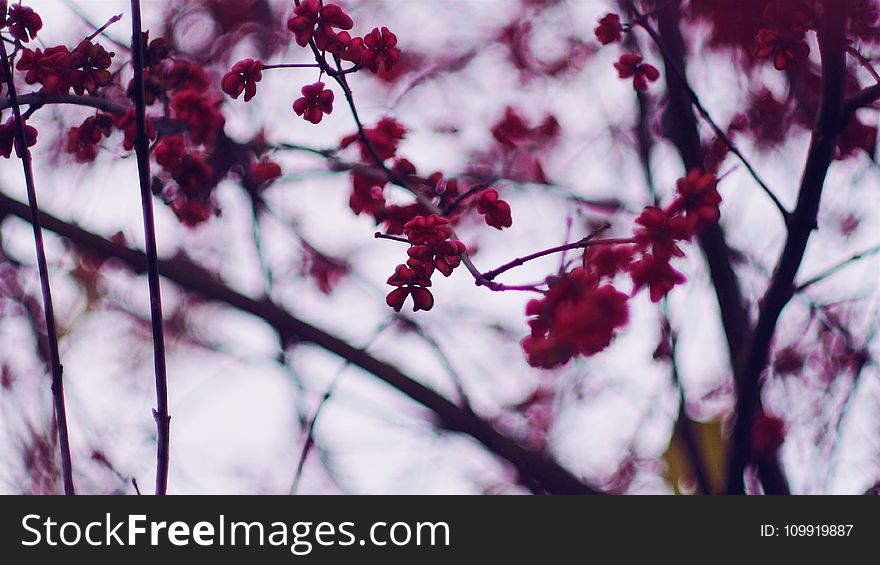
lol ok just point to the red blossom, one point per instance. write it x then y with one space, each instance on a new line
201 111
609 29
315 102
169 151
655 273
380 48
396 217
496 212
576 316
409 282
431 230
9 138
422 298
783 46
385 137
348 48
193 175
606 261
184 75
23 23
128 124
312 21
89 64
366 195
243 77
660 230
265 171
51 68
512 131
631 65
192 212
444 257
698 199
82 140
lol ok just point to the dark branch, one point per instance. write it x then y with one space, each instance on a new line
681 127
669 59
533 468
829 123
33 217
142 150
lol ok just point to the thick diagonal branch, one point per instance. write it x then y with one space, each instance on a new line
533 468
830 121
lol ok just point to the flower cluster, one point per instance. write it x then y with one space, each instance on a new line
23 23
430 249
577 316
629 65
9 138
83 140
311 21
326 28
660 230
58 70
495 211
783 38
582 310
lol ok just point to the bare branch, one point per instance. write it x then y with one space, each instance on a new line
142 150
533 468
21 148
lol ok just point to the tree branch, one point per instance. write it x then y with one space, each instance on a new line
670 57
142 150
21 148
829 123
533 468
680 125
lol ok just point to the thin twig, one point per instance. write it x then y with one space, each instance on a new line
642 21
864 62
684 424
73 7
292 66
313 421
834 269
142 150
101 29
587 241
380 235
470 192
538 468
43 268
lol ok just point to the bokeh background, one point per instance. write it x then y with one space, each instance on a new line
238 404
